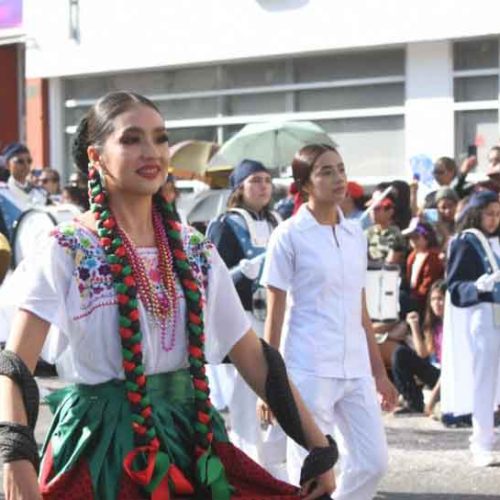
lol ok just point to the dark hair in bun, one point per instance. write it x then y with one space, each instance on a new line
97 124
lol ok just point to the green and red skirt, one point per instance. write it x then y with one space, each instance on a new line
91 435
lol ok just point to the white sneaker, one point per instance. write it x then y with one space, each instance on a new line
482 458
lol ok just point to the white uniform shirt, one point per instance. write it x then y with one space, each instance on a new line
68 284
323 269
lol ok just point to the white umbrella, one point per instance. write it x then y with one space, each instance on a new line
272 143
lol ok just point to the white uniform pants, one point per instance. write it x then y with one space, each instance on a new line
266 446
350 409
485 338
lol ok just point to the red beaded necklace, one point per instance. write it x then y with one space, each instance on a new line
161 307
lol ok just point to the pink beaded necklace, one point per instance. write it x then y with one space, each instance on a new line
161 307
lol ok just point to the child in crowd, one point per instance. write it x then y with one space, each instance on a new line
424 360
423 265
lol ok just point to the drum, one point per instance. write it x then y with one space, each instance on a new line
34 224
382 292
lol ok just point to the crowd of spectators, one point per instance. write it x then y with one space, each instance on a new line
410 230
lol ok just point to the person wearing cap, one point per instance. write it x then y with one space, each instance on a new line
18 161
385 241
471 338
423 265
240 236
353 204
447 174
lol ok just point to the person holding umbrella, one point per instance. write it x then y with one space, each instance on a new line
240 236
315 271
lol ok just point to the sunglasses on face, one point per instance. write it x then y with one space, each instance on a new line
23 161
46 180
438 172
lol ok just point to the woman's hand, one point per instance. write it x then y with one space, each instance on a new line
321 485
264 413
387 391
20 481
413 320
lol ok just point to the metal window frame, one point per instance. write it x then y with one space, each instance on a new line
267 89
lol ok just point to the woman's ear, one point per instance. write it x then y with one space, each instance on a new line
93 154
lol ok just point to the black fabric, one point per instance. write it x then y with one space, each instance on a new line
464 267
319 460
406 363
280 397
17 442
12 366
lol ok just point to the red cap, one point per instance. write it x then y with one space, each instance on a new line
355 190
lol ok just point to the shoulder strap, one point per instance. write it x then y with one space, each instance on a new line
481 244
277 217
250 224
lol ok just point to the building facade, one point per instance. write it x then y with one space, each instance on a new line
388 80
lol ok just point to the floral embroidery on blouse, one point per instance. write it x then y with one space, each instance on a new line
199 252
92 272
93 275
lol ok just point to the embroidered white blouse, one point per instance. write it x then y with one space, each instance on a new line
68 283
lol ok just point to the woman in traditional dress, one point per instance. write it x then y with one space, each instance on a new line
240 236
137 302
316 265
471 333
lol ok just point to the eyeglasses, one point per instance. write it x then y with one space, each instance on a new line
438 172
46 180
24 161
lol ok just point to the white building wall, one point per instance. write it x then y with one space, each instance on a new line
429 118
126 34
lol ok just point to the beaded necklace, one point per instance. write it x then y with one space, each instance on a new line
161 307
141 463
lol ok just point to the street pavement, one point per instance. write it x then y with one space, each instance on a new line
426 460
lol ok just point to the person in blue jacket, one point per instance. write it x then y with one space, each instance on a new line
240 236
471 346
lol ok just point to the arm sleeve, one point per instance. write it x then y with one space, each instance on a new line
225 319
399 242
42 281
279 264
464 268
432 271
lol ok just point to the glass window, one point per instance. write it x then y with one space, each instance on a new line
255 74
351 97
255 104
188 108
176 135
475 54
350 65
479 128
144 82
476 89
372 146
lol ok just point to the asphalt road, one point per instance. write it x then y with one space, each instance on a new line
427 461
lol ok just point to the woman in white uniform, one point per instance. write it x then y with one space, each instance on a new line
241 235
317 261
471 337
